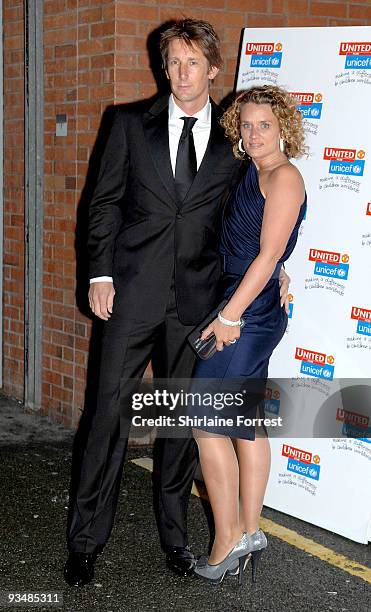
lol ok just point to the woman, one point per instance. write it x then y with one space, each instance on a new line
259 232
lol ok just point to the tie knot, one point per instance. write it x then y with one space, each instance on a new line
188 124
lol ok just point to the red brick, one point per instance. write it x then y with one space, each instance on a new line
130 43
60 37
143 29
233 35
268 21
102 92
99 2
126 93
343 22
15 42
221 19
62 394
108 12
12 13
63 21
208 4
296 22
328 9
97 46
131 76
124 60
92 77
99 30
65 51
54 6
102 61
259 6
76 4
16 28
298 6
359 11
92 15
58 365
126 27
83 32
279 6
134 11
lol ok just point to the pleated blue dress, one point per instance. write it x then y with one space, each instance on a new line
241 369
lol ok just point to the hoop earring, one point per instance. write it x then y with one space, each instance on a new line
282 145
240 147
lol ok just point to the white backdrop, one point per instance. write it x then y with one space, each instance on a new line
320 367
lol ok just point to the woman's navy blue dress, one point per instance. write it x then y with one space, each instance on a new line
243 365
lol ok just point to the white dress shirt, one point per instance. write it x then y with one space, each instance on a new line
201 134
201 130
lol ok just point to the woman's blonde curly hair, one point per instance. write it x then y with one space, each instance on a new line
283 106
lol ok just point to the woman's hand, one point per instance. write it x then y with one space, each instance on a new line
224 334
284 281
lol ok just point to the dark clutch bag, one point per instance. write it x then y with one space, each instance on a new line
205 349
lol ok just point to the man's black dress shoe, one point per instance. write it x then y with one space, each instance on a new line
180 560
79 568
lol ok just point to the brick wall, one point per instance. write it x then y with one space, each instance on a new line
79 42
13 318
95 55
136 19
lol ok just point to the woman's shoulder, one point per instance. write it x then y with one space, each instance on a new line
285 181
287 170
285 175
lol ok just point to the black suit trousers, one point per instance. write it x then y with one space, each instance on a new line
127 349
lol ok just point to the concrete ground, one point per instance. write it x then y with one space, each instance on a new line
131 575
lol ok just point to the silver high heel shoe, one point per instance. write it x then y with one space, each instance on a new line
215 573
258 543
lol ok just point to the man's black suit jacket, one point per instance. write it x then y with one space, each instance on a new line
140 234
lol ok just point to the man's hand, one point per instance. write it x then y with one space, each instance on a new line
284 280
101 296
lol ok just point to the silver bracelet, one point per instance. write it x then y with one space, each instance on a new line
228 322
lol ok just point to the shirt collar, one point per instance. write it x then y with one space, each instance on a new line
203 115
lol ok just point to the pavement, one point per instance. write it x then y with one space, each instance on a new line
130 574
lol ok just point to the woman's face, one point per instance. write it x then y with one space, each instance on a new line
260 130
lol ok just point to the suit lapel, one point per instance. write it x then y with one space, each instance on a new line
156 129
213 151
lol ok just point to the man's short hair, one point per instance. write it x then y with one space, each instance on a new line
193 32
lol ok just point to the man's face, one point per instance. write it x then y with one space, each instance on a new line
189 73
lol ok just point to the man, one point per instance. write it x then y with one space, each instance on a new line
154 270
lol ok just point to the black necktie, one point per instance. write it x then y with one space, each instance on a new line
186 161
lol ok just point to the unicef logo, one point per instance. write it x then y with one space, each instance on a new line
275 61
341 272
357 169
313 472
326 373
314 112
